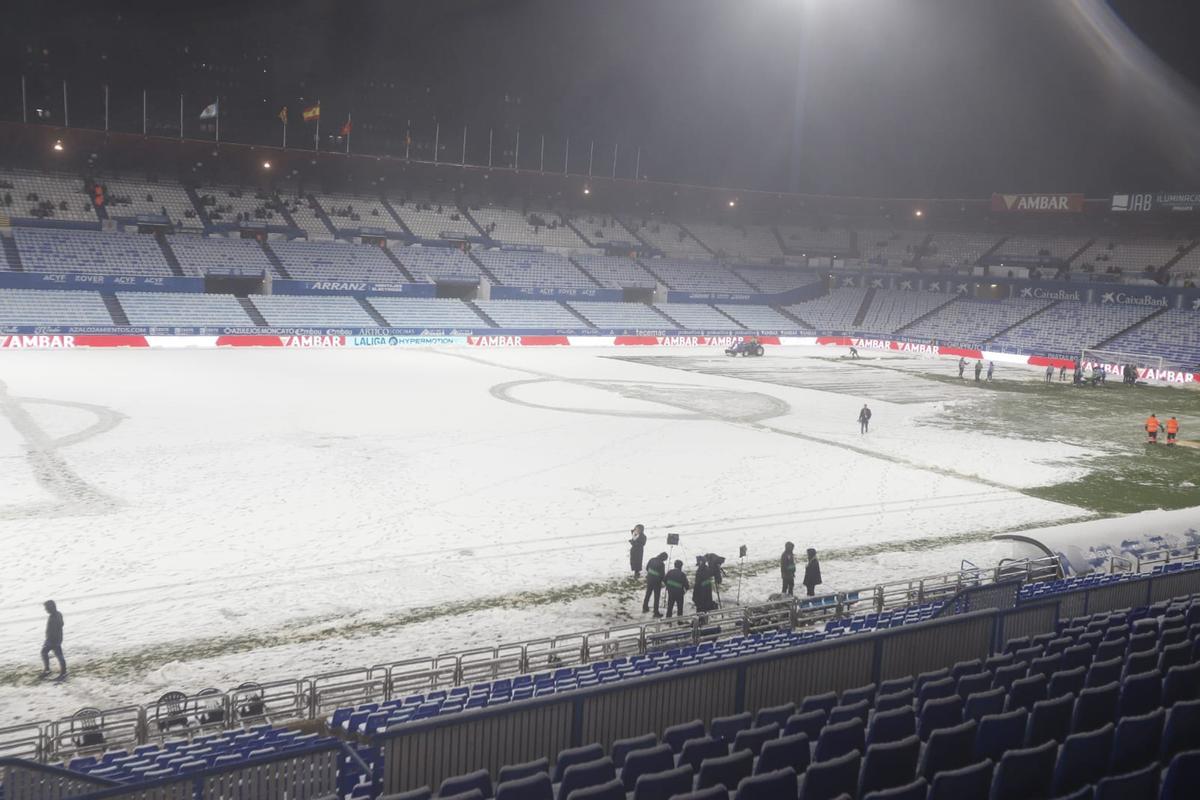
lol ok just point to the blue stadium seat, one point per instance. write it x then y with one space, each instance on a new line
646 762
1067 681
1083 759
1082 793
479 779
943 712
934 689
1003 677
1102 673
910 791
536 786
889 765
582 775
970 684
513 772
726 770
777 785
837 740
777 714
1050 720
1076 656
1095 708
1139 783
972 667
809 723
1136 742
1175 655
711 793
1024 774
899 699
575 755
664 785
841 713
852 696
621 748
979 705
974 781
676 735
892 726
824 701
1024 692
1140 663
999 733
610 790
423 793
786 751
1181 683
727 727
695 751
893 685
948 749
829 779
470 794
752 739
1182 776
1181 731
1140 694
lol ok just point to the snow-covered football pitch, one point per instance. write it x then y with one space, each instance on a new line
205 517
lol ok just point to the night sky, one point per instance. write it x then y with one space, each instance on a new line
950 98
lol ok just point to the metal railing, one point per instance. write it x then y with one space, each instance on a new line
315 697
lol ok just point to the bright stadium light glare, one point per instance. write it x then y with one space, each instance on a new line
918 213
266 165
587 190
58 145
732 203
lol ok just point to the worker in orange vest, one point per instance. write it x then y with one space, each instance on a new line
1172 429
1152 430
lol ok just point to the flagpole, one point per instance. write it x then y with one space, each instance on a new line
591 155
542 157
407 138
567 156
66 111
106 108
143 112
317 135
614 171
490 132
218 105
437 136
283 123
637 167
517 153
24 105
181 116
463 160
349 128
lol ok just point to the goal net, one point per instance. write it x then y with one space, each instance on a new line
1113 361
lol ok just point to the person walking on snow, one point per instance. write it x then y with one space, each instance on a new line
812 572
864 419
962 365
1152 430
991 369
978 369
637 546
1049 373
656 568
53 643
787 568
677 586
1172 429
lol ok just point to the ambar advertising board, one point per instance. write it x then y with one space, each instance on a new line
1068 203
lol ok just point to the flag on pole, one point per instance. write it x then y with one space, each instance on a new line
209 112
283 115
313 113
347 127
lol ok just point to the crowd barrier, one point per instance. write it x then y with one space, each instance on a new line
427 752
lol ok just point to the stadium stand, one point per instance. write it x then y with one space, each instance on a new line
696 276
773 280
892 248
1131 256
600 230
37 307
304 213
890 311
1030 246
427 312
130 197
748 242
621 315
230 204
528 314
616 272
438 263
758 317
672 240
199 255
807 240
429 219
44 250
45 195
522 268
1067 327
535 227
957 249
698 317
1174 335
833 312
182 310
314 312
348 211
970 321
336 261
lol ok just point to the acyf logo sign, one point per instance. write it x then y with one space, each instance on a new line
1038 203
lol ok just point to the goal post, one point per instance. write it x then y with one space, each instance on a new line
1114 360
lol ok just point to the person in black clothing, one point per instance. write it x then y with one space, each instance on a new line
655 569
636 547
978 370
677 585
812 572
53 643
864 419
702 595
787 568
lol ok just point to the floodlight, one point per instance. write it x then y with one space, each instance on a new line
58 145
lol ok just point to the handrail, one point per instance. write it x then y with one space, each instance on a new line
315 696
